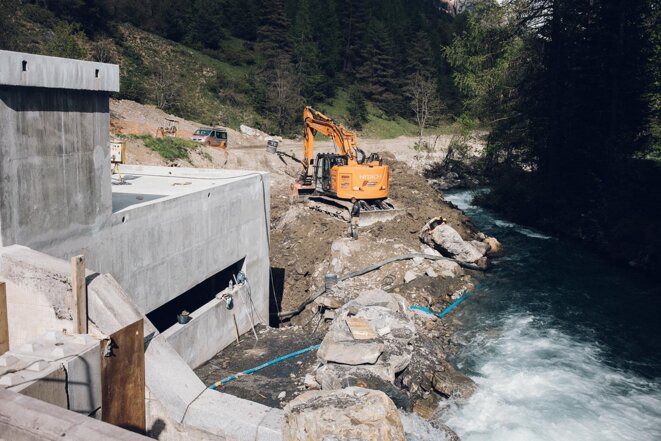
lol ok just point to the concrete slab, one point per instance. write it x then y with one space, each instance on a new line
235 418
57 368
169 378
25 419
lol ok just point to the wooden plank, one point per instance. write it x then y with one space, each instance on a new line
4 320
360 329
79 288
123 378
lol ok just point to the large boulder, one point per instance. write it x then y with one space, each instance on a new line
348 414
337 349
448 241
249 131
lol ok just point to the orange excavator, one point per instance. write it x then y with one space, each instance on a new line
336 178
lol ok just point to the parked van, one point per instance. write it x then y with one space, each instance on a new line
211 136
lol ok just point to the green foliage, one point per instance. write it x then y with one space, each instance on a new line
570 93
7 24
653 26
66 41
170 149
357 108
254 61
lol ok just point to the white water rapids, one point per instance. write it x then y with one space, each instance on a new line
554 349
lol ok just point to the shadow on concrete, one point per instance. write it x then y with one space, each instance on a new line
40 99
276 291
166 315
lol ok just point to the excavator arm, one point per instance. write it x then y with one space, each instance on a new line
345 140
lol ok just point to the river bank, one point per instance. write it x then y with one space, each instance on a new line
307 244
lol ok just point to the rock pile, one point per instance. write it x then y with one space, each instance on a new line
368 344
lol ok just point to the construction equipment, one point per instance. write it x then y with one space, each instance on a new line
169 128
331 180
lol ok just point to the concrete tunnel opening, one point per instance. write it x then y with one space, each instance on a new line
165 316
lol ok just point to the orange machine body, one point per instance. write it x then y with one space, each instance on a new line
345 174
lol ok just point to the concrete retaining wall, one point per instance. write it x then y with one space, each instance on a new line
29 70
211 327
179 406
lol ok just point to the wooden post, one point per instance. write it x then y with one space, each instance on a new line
4 320
123 378
79 288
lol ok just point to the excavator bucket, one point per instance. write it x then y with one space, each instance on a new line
370 211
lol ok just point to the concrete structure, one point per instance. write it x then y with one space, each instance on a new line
171 228
28 419
54 148
60 369
179 405
156 237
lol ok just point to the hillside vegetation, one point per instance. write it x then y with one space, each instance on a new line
256 62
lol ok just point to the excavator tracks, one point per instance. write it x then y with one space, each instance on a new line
371 211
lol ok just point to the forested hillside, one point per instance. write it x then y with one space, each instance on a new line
571 91
254 61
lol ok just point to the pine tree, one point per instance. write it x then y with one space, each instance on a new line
273 33
208 24
307 55
378 75
7 24
326 31
248 12
354 20
357 108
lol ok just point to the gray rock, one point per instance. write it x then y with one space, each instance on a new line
431 273
410 276
449 268
310 382
352 352
383 357
353 413
451 383
426 249
495 247
446 240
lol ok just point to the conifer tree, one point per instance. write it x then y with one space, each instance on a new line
307 55
378 74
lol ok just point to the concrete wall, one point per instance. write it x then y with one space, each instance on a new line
211 327
29 70
160 249
38 293
179 406
54 156
64 370
25 419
